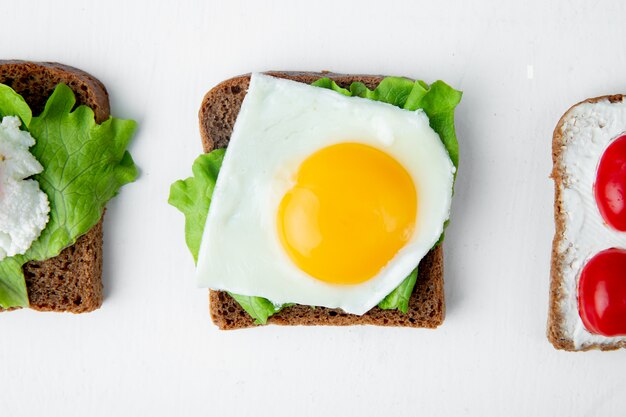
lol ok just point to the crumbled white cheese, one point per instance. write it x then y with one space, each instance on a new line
24 207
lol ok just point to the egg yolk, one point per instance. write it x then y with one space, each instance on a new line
352 208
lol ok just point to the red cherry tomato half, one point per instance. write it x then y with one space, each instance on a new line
602 293
610 186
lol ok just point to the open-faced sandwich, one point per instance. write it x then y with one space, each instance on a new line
588 284
62 158
322 199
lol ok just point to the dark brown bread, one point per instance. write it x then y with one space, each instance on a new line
217 115
555 331
72 281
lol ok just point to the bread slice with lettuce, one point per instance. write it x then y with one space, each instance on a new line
84 161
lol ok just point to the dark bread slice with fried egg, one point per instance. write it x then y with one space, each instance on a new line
556 317
72 281
217 115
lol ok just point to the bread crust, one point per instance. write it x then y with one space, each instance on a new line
555 331
217 116
71 281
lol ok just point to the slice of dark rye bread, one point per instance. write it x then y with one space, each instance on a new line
217 115
71 281
555 332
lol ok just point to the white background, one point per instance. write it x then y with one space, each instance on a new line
152 350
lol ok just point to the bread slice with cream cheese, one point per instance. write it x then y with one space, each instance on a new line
577 127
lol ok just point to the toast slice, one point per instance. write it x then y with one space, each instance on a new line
217 115
72 281
556 332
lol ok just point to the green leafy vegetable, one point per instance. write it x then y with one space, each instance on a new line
259 308
85 164
439 102
12 104
331 85
399 298
12 284
193 195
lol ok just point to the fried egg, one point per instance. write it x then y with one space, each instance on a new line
323 199
24 207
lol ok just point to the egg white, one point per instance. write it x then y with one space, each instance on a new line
280 124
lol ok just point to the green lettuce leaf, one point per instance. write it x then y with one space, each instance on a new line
12 284
398 299
193 197
259 308
12 104
439 102
85 164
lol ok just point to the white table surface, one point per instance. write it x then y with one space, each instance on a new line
152 350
